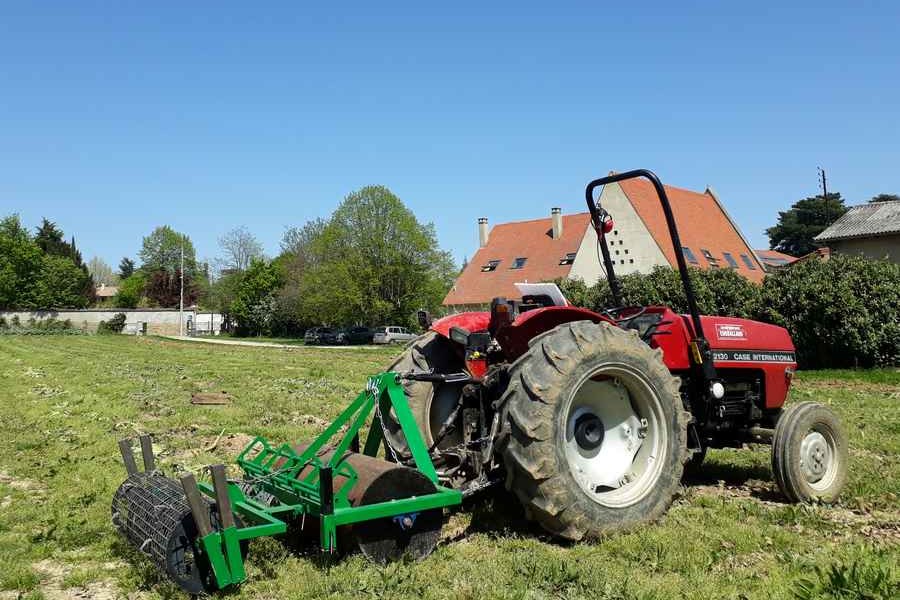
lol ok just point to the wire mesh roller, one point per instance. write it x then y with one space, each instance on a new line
151 512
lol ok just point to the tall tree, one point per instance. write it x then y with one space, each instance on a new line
885 198
49 238
375 263
101 272
20 263
126 268
161 251
239 247
60 284
254 304
807 218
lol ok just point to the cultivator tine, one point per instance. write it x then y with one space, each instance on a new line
128 456
223 500
147 454
199 509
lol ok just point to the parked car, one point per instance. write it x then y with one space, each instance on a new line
320 336
392 334
356 335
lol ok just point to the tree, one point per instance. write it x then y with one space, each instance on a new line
807 218
885 198
20 263
161 251
126 268
60 284
239 247
374 263
255 297
49 238
101 273
164 289
131 290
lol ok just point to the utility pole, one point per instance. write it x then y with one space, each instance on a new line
824 190
181 292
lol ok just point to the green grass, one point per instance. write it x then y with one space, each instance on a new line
64 401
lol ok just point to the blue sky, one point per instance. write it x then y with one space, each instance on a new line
117 117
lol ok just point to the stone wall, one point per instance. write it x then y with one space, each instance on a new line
160 321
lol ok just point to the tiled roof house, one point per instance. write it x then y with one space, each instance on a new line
565 246
871 230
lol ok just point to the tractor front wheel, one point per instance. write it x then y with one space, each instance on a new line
597 431
809 453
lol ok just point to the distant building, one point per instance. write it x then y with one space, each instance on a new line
104 291
773 259
565 246
871 230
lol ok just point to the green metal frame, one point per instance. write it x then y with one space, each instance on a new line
305 496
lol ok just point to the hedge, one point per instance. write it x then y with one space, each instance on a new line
844 312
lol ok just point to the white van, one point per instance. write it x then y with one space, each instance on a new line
392 334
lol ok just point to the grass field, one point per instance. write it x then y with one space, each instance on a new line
64 401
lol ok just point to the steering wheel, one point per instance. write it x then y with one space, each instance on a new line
613 313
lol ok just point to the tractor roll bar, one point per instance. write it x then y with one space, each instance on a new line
596 219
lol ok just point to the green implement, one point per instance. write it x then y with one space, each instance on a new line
198 532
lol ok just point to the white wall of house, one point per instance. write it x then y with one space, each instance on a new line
631 246
880 247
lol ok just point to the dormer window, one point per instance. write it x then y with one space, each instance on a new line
519 263
490 266
568 259
712 260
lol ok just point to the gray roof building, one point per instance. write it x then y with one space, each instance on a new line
865 220
871 230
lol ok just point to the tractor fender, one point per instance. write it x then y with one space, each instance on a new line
470 321
515 338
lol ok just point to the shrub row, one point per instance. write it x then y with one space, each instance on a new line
844 312
50 326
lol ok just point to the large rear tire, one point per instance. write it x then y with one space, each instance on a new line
598 431
431 403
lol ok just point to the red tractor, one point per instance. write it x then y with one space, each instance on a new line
591 417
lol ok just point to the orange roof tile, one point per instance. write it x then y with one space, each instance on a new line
702 224
526 239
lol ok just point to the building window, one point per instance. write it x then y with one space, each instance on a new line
730 260
626 250
617 251
568 259
712 260
689 255
748 262
518 263
490 266
630 261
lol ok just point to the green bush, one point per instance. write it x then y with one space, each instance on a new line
844 312
48 326
718 292
114 325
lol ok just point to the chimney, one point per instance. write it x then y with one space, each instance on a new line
482 231
556 216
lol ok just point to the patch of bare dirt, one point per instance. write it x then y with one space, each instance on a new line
20 483
52 575
764 492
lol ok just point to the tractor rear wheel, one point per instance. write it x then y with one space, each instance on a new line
598 432
431 403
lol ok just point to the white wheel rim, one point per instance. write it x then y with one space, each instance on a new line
818 458
625 465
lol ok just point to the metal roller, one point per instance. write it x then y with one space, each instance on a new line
388 539
152 513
